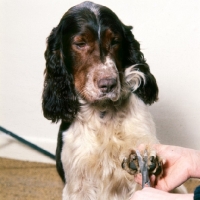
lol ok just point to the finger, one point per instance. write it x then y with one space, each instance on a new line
138 178
153 181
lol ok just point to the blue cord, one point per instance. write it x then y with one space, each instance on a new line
33 146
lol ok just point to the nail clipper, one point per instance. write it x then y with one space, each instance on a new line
143 164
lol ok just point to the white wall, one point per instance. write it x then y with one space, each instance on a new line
169 32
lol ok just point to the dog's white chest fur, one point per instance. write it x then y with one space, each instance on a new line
94 148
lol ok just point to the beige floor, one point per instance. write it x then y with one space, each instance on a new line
21 180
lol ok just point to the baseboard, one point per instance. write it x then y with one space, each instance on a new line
11 148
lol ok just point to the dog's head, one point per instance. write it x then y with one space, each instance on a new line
92 55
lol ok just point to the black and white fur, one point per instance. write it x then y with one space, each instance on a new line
99 85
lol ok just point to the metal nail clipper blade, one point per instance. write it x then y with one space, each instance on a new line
143 168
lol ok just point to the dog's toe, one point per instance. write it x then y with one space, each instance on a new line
130 164
155 165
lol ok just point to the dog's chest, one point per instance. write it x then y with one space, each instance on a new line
101 142
96 136
95 145
94 151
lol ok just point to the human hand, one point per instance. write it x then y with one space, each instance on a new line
180 164
155 194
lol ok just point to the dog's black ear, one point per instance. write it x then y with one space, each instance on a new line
59 99
148 89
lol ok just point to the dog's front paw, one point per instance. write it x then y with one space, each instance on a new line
131 165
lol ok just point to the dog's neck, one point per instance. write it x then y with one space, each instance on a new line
103 110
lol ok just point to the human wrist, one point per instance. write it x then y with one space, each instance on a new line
183 197
194 170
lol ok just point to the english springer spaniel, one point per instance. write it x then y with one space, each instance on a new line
99 85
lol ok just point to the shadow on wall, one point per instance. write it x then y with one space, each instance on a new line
172 124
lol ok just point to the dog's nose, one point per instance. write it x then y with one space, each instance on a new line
107 84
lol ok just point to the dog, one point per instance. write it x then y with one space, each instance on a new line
98 83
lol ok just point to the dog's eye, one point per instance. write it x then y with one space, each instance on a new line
80 44
115 42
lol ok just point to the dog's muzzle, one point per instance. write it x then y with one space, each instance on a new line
107 85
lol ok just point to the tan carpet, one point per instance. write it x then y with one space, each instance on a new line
21 180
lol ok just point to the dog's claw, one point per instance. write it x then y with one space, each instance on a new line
152 166
155 166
